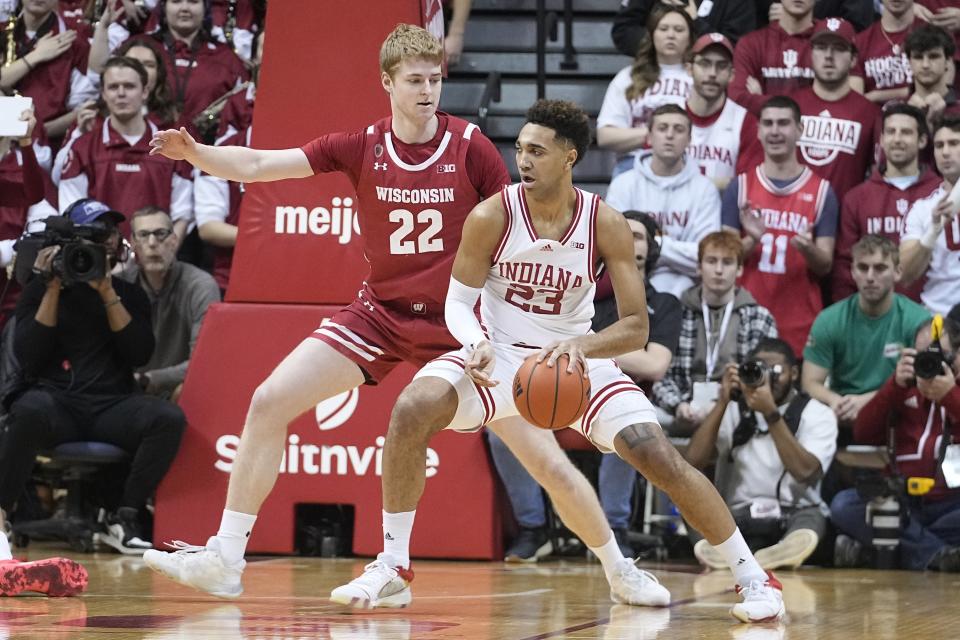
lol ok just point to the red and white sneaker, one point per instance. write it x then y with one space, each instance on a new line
762 601
382 584
55 577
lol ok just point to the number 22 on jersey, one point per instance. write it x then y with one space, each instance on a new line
405 241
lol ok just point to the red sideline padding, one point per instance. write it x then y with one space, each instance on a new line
298 238
333 454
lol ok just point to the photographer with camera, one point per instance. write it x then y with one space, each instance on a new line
917 408
79 334
773 445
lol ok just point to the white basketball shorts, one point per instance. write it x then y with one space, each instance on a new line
615 402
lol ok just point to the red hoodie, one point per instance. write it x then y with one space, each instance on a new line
918 424
876 207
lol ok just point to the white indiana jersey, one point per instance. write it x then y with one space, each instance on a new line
942 288
715 148
541 290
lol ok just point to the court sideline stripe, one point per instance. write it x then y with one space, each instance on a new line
602 621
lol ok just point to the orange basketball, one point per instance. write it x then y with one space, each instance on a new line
549 397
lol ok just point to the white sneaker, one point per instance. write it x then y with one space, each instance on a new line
198 567
631 585
790 552
382 584
762 601
708 556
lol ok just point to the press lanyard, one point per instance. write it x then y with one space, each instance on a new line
713 354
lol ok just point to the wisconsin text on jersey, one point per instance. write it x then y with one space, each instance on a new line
415 196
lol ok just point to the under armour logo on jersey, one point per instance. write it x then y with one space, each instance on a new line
547 248
380 166
446 168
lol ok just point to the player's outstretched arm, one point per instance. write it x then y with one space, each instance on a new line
614 243
239 164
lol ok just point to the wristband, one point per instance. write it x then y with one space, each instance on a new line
107 305
773 417
29 66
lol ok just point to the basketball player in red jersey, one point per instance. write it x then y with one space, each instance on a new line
559 236
398 315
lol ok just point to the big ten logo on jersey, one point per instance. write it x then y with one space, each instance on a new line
339 220
303 457
537 288
419 229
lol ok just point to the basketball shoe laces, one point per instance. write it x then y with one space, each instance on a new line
761 600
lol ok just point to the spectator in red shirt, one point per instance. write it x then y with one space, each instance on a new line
199 69
51 67
879 205
775 60
886 67
930 50
917 411
838 122
112 163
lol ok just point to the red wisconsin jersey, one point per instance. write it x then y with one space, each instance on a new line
776 273
411 215
876 207
885 64
838 137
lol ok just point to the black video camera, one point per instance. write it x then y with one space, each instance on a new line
82 256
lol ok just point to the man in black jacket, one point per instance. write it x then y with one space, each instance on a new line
77 346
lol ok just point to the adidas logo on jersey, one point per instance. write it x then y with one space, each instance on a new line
547 248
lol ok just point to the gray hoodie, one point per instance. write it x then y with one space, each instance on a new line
687 207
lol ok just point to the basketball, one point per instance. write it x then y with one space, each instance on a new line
549 397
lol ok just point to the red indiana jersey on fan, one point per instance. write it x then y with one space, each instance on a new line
876 207
776 272
411 233
838 137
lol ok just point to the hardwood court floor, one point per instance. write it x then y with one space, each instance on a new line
287 598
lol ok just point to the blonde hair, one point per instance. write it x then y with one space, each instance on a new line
646 69
408 41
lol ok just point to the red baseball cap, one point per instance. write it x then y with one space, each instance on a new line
711 40
837 28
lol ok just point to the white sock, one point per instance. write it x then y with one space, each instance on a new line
738 555
235 530
397 528
5 547
609 554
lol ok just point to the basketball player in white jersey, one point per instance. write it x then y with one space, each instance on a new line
532 255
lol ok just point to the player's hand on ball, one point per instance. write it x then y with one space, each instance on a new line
552 352
173 144
480 366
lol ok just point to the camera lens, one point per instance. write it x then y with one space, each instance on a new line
752 373
81 262
928 364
